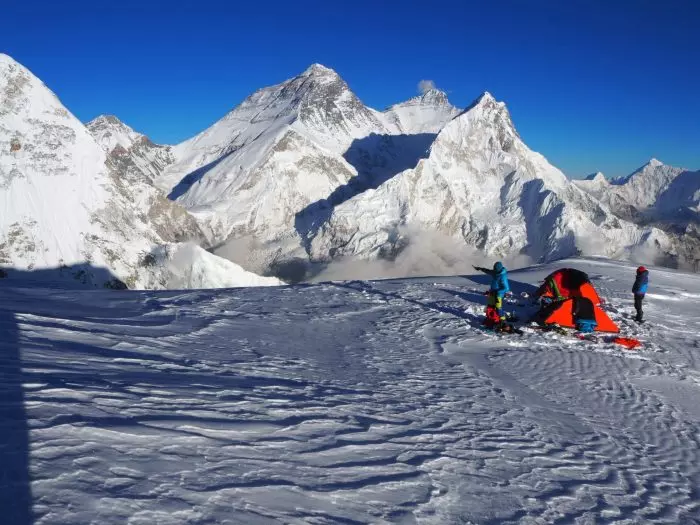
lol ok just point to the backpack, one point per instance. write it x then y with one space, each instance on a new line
584 315
492 317
586 325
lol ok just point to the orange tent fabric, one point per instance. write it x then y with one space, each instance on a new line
568 282
605 324
627 342
562 314
587 290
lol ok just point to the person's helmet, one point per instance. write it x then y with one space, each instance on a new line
641 269
498 266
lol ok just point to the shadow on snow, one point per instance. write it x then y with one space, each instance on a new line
15 490
377 159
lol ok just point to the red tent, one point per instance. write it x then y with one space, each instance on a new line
566 313
574 300
566 283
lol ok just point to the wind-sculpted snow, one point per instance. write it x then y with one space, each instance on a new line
351 402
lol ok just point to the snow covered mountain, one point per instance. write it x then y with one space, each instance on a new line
482 184
66 203
121 142
655 191
661 196
427 113
316 105
272 156
310 173
304 172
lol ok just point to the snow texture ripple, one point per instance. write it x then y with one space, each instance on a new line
350 402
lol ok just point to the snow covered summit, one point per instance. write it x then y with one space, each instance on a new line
482 186
426 113
75 208
312 174
121 142
655 191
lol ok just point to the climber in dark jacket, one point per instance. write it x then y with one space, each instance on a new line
499 286
639 289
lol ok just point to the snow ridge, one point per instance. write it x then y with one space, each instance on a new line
70 209
306 167
306 173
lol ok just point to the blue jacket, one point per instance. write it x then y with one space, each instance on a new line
641 283
499 282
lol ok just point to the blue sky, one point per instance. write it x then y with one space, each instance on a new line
593 85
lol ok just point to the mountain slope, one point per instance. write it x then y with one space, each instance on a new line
482 185
427 113
66 203
119 140
52 175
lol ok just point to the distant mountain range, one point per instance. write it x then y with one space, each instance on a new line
303 173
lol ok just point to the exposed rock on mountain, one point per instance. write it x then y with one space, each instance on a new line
68 204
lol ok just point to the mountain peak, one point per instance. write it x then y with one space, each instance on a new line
319 70
596 177
654 163
110 132
434 97
484 99
104 120
430 97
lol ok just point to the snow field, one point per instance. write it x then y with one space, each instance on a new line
355 402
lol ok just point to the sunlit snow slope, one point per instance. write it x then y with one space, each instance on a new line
347 402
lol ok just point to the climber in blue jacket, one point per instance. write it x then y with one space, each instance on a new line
639 289
499 286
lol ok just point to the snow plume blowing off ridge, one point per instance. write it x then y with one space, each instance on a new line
426 85
425 254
